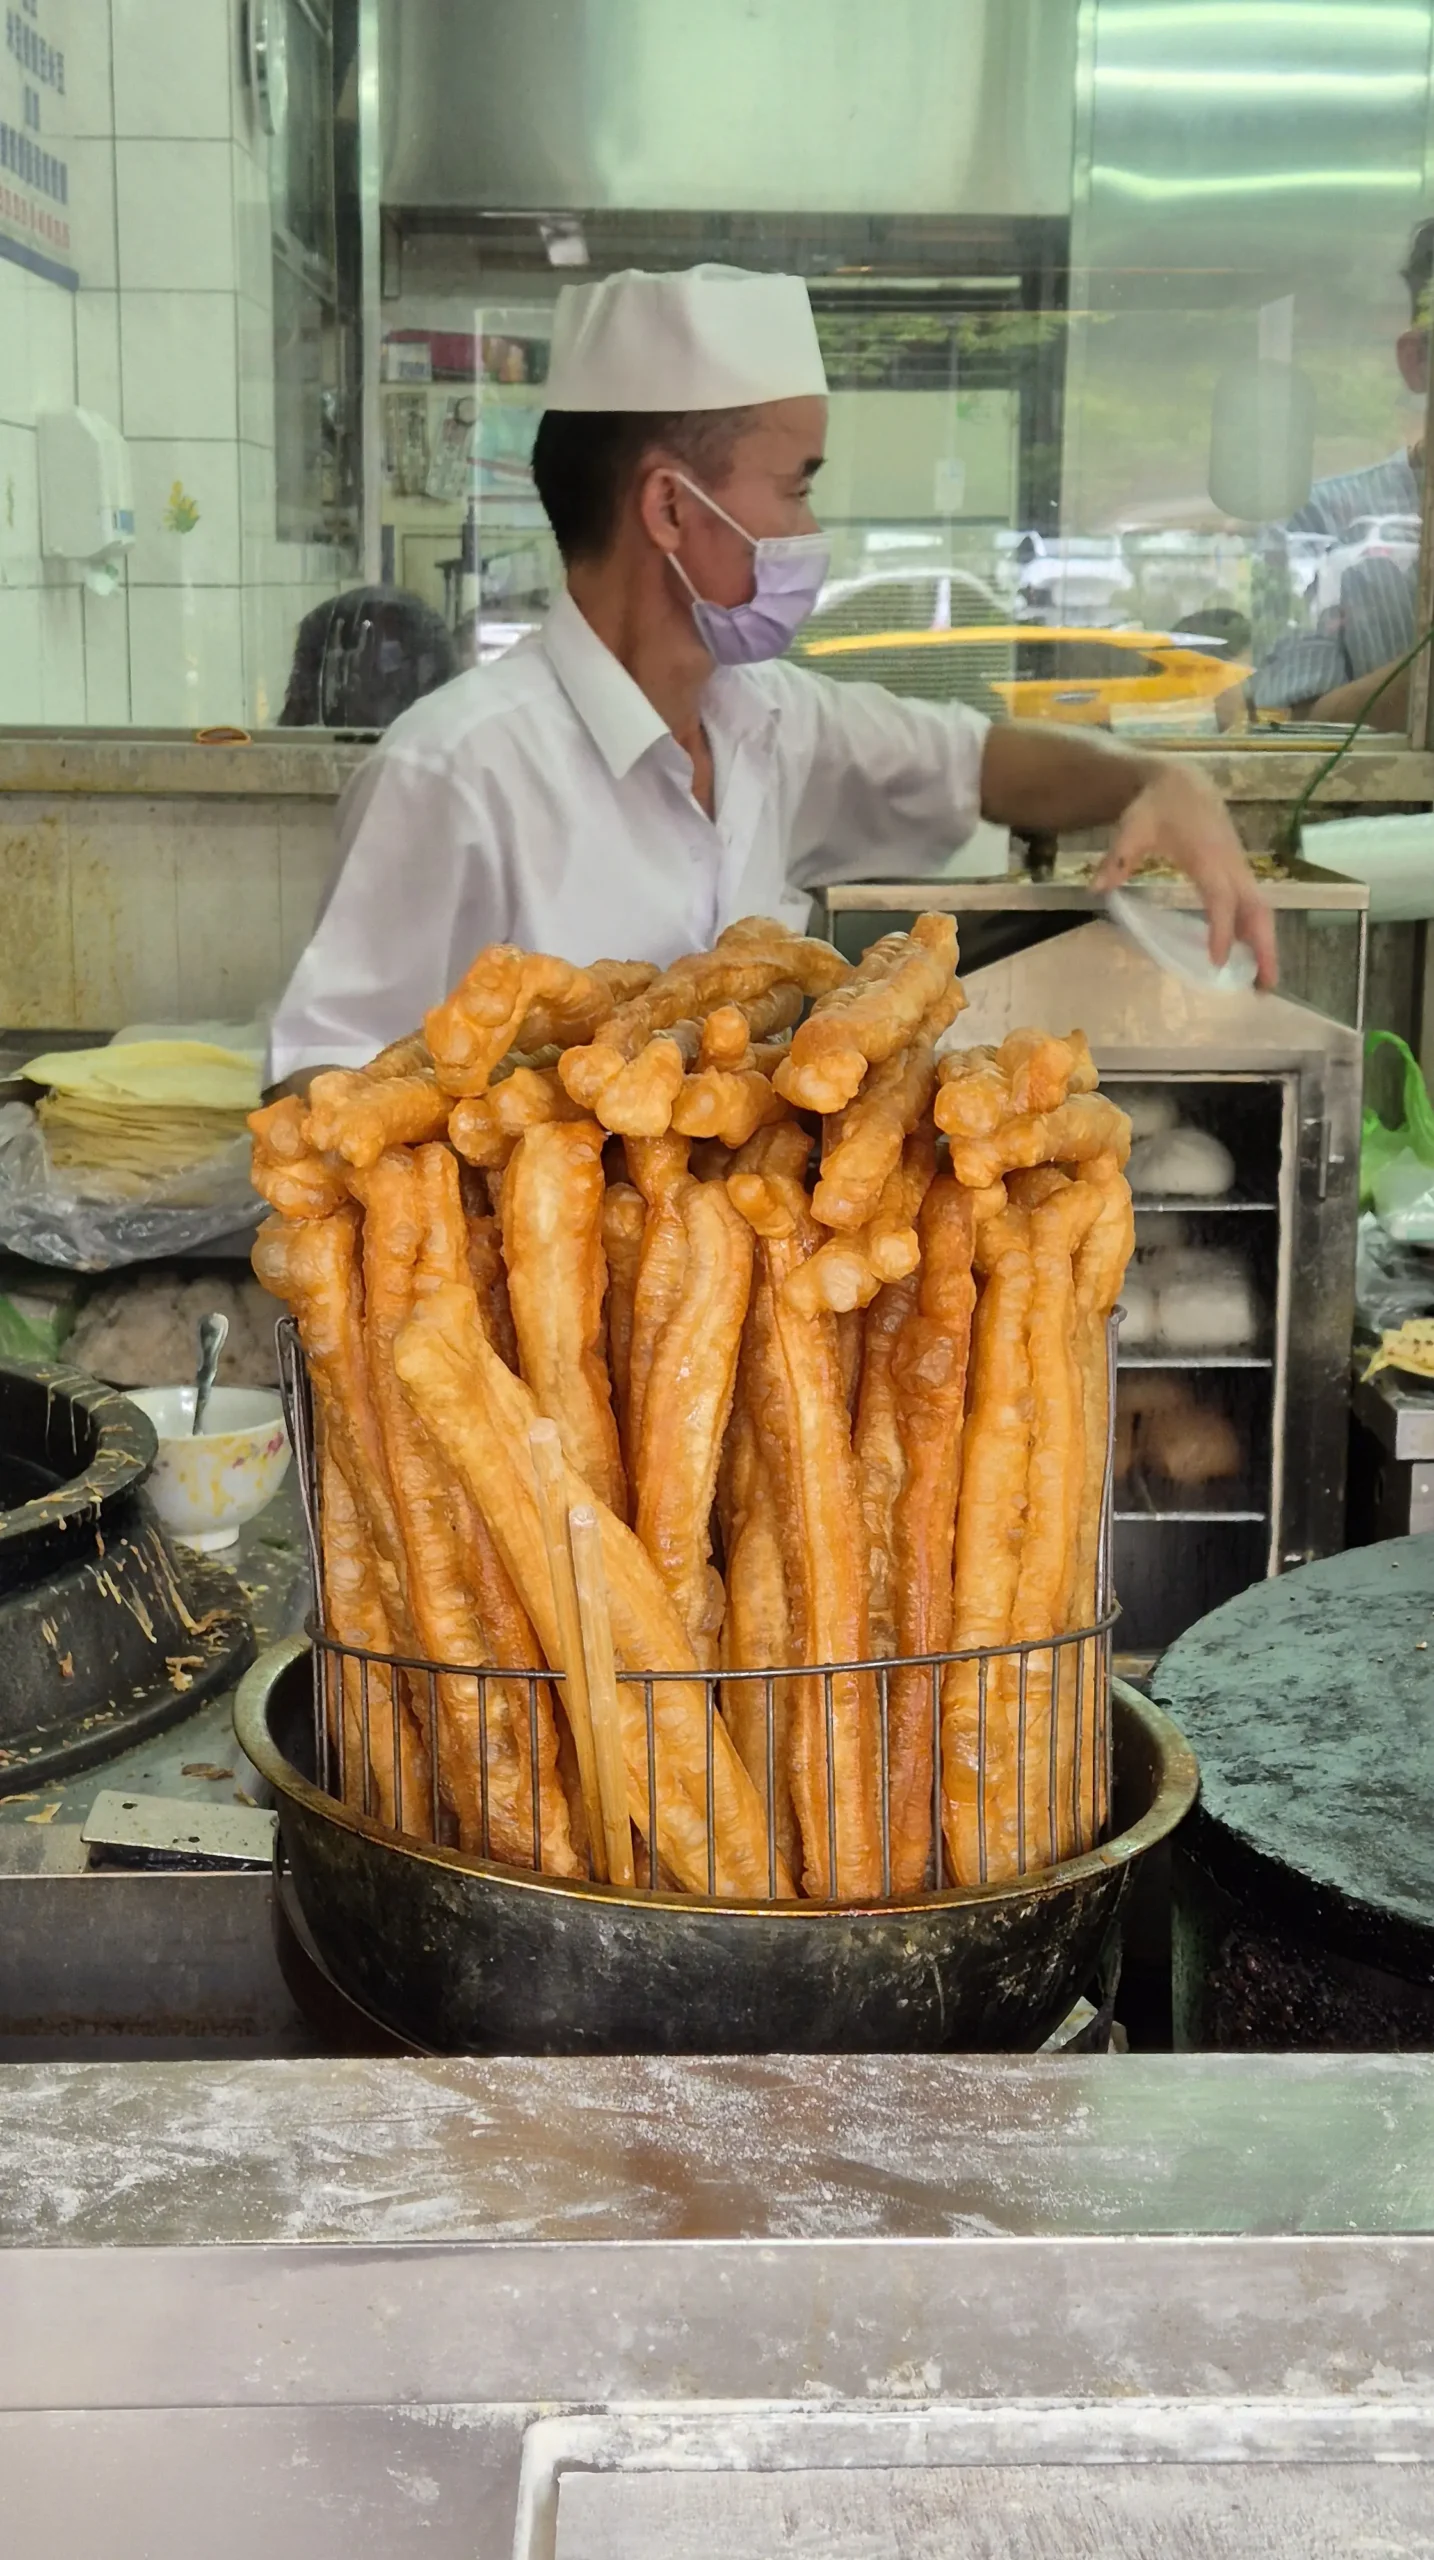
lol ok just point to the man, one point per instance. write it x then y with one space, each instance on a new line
1332 673
644 770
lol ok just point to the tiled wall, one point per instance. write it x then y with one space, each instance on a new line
170 336
122 910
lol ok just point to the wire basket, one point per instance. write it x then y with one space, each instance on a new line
1034 1782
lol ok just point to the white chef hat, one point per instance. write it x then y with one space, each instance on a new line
708 338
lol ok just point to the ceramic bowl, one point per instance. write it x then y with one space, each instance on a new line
204 1489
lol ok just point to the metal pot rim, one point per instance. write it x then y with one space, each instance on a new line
1178 1784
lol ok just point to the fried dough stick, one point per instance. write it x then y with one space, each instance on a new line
481 1415
315 1269
880 1457
990 1528
355 1615
552 1212
1024 1821
727 1103
1030 1072
928 1375
757 1629
487 1126
1043 1071
861 1148
355 1116
658 1166
1099 1272
804 1413
731 1032
450 1256
480 1763
624 1222
747 962
847 1271
284 1169
637 1098
686 1405
512 999
409 1056
486 1269
1071 1134
902 980
730 1095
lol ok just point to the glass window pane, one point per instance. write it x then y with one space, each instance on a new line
1126 346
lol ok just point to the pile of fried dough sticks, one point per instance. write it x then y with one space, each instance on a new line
820 1316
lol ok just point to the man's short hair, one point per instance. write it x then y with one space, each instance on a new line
1418 269
586 460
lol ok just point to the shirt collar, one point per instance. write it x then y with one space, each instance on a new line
616 713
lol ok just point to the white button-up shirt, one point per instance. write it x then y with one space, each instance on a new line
542 801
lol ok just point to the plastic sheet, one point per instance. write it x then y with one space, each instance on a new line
1392 1280
46 1217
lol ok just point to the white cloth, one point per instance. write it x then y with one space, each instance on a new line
542 801
707 338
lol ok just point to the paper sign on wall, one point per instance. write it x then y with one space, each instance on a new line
35 71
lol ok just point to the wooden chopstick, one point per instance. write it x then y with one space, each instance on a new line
550 1471
604 1702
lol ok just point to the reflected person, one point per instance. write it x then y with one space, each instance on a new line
1331 673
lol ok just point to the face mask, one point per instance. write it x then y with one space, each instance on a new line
790 571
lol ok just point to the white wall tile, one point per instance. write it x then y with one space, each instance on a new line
89 91
230 961
37 977
256 371
177 364
62 655
97 354
19 508
176 216
166 475
172 67
15 402
125 914
20 689
268 652
253 229
92 212
256 498
186 656
107 659
48 371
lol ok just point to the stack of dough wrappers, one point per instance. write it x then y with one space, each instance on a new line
821 1320
123 1120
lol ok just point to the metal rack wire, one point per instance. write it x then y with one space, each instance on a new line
1041 1725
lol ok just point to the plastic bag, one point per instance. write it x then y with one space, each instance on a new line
1380 1146
1392 1281
43 1217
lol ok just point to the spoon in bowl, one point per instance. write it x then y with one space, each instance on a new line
213 1334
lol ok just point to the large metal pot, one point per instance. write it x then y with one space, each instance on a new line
106 1635
465 1957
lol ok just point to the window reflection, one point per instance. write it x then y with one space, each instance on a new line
1124 305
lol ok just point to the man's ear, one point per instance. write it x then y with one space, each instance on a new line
1412 348
658 494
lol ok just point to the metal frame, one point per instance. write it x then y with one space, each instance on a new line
1079 1729
371 330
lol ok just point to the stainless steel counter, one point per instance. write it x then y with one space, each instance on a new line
369 2307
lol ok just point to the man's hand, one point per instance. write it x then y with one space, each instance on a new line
1179 817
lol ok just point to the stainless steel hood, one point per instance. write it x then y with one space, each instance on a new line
817 106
